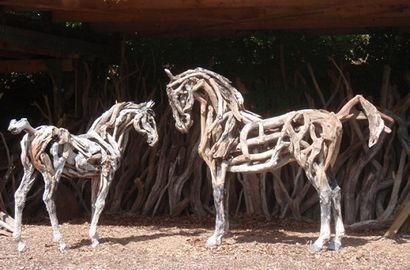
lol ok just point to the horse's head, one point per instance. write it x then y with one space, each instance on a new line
144 123
181 99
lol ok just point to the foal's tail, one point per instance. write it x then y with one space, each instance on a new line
374 116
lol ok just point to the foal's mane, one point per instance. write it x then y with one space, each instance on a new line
107 120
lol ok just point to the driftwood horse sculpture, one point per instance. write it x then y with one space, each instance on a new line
54 152
235 140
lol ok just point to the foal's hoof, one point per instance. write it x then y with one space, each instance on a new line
95 244
333 245
21 247
62 247
315 248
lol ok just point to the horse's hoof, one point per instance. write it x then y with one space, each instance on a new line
315 248
212 242
333 245
21 247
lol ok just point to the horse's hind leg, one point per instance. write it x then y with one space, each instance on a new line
336 243
218 185
20 200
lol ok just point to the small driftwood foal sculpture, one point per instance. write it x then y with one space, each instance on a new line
236 140
54 152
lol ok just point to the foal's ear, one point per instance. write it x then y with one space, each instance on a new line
150 104
168 72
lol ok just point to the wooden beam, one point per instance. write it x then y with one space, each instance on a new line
185 28
172 15
181 16
179 4
36 43
34 66
233 14
143 15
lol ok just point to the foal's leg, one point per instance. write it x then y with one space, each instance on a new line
48 198
20 196
51 175
218 184
319 181
99 204
336 244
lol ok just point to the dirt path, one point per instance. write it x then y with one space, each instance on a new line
163 243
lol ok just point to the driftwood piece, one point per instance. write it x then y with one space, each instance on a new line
235 140
6 222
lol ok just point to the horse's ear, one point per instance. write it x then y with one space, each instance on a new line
168 72
150 104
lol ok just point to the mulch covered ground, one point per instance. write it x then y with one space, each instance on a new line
178 243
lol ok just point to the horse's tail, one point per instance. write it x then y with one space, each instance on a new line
374 116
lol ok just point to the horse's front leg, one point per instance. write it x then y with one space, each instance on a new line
218 173
95 181
103 188
320 182
336 243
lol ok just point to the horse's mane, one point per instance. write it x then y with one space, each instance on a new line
229 93
222 86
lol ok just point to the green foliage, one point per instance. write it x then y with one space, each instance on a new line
255 59
73 24
33 15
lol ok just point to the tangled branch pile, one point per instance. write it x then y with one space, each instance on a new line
172 179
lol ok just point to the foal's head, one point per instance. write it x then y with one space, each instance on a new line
144 123
16 127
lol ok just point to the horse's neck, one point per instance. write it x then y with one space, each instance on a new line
222 109
214 120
